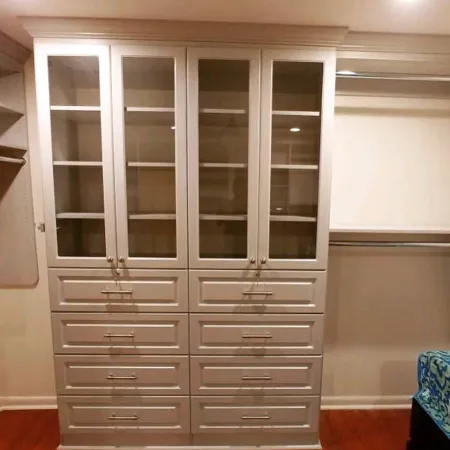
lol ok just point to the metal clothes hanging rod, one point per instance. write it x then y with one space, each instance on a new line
390 244
393 76
7 159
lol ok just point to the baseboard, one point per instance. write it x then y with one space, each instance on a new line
12 403
369 402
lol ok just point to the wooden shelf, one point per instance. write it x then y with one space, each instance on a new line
222 111
293 219
227 217
149 109
5 109
161 165
297 113
76 215
74 108
223 166
152 216
8 160
78 114
295 167
77 163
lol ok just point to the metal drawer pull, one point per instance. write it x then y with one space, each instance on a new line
114 417
116 377
112 335
118 291
265 417
260 378
257 293
257 336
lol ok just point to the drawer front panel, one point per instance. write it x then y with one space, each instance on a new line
249 375
82 414
273 292
122 375
271 334
120 333
247 414
139 291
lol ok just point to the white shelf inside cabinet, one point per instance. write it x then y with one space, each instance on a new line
224 217
78 114
222 111
150 116
5 109
161 165
223 166
297 113
77 163
306 167
149 109
80 215
293 219
152 216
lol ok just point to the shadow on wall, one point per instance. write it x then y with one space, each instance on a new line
384 306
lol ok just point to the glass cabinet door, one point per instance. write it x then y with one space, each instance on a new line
298 102
149 113
223 119
73 94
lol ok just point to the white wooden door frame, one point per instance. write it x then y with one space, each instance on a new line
42 51
328 58
179 56
218 53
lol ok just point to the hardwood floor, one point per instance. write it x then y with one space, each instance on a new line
340 430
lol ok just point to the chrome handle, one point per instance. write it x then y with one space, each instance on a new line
116 291
121 259
260 378
252 260
110 259
116 377
263 260
257 293
265 417
114 417
257 336
112 335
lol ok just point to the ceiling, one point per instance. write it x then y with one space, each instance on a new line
395 16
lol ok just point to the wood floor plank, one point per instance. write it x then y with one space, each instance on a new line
340 430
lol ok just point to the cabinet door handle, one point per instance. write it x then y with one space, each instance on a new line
256 378
257 293
110 259
117 377
114 417
113 335
116 291
257 336
264 417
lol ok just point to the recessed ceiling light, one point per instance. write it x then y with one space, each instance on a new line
346 72
295 130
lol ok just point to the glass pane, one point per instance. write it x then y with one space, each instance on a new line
223 157
149 100
77 155
294 184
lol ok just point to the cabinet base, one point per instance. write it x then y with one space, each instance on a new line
197 447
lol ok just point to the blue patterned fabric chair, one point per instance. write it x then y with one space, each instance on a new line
430 417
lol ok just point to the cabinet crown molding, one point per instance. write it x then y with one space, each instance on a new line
12 54
184 31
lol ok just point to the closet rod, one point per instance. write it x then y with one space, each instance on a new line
7 159
393 76
390 244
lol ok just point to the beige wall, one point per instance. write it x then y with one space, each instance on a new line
26 362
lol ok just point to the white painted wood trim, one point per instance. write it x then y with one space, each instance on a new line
253 56
42 52
183 31
198 447
366 402
120 163
27 403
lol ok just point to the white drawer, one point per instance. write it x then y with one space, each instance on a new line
271 334
84 290
122 375
247 414
241 292
80 414
256 375
120 333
